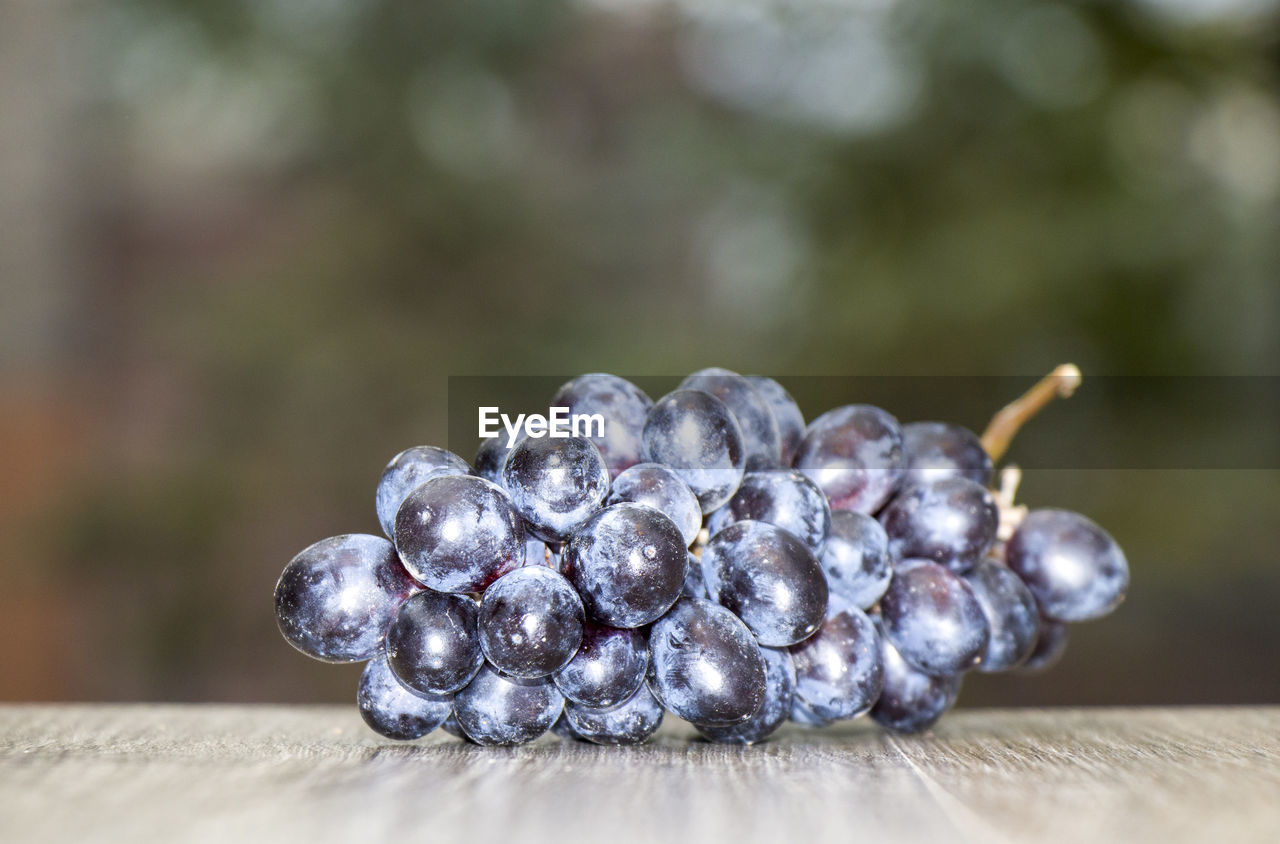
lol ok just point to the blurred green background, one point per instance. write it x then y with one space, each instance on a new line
244 244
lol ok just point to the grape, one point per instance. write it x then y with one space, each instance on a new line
451 727
932 451
459 534
498 710
837 604
627 563
556 484
840 568
1074 568
854 455
630 722
933 618
694 434
335 599
786 413
407 471
1011 613
804 716
769 579
751 410
659 487
856 559
433 645
492 455
539 553
704 664
912 701
780 687
530 622
784 498
623 406
694 586
564 729
1051 644
607 669
392 710
838 669
952 521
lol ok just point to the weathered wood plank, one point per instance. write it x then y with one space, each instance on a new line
219 773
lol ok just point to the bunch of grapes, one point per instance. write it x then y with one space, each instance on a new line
709 555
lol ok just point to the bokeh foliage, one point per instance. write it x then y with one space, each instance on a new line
320 210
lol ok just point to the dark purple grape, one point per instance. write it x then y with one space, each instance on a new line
556 484
784 498
451 727
433 645
769 579
492 455
837 604
539 553
659 487
694 586
704 664
391 709
564 729
854 455
607 669
630 722
780 689
932 451
751 410
912 701
1074 568
1011 613
623 406
933 618
459 534
335 599
409 470
856 559
804 716
498 710
530 623
952 521
786 413
695 434
1051 644
627 563
838 669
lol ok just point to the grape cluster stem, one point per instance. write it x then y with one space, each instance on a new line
1004 426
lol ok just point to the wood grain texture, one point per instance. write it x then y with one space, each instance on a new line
248 773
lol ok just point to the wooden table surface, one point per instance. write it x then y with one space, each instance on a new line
247 773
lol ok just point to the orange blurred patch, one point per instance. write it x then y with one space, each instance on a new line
42 445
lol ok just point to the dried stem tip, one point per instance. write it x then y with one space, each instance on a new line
1011 512
1004 426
